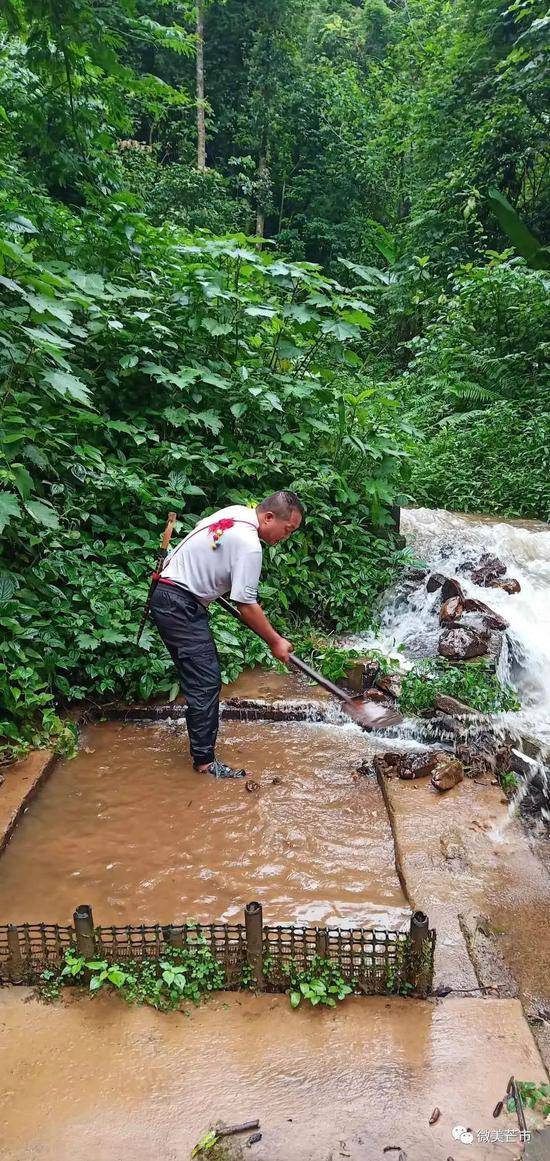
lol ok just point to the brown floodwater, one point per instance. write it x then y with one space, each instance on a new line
131 829
92 1080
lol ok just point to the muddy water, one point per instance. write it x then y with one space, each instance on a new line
95 1080
272 686
130 828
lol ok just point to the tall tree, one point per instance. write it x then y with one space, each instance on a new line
201 113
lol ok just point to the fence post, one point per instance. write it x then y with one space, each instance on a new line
16 969
84 931
321 942
253 924
173 935
420 967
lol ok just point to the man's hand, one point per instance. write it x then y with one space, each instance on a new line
253 615
281 649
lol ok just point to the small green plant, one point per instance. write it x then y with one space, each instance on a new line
534 1094
473 684
320 983
509 782
207 1142
163 983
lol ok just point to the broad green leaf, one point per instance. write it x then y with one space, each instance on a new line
216 328
11 285
260 311
340 330
9 506
23 480
525 242
48 338
210 419
8 585
68 386
43 305
43 513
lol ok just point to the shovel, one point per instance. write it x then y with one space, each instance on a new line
364 713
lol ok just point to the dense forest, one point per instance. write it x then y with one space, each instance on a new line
250 244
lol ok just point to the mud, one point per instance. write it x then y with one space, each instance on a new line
130 828
94 1079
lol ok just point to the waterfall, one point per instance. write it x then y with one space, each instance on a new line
445 542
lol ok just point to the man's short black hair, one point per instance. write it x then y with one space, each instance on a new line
282 504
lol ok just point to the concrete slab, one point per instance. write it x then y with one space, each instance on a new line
93 1079
472 868
21 782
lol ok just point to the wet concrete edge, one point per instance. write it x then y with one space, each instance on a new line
29 775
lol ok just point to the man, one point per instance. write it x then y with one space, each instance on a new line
222 554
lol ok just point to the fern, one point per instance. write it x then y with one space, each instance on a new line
468 392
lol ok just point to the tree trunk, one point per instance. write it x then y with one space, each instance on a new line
260 210
201 126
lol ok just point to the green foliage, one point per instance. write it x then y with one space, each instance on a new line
320 983
534 1094
179 974
134 391
509 782
473 683
147 364
477 390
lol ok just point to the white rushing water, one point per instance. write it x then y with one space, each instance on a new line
444 541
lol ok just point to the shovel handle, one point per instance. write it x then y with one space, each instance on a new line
167 534
294 660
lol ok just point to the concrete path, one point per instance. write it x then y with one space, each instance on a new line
91 1080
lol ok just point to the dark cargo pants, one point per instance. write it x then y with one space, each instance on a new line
183 625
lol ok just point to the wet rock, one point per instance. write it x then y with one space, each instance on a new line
371 671
386 764
459 644
415 574
451 610
407 765
276 781
355 677
418 765
390 683
252 786
376 695
452 588
448 772
491 619
509 586
483 755
435 581
452 706
488 569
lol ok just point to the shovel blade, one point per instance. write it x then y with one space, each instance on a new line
370 716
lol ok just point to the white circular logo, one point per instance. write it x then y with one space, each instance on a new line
461 1133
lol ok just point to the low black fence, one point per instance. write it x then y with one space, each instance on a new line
370 960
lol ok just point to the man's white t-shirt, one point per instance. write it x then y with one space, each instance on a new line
211 562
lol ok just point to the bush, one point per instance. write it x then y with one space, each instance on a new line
188 374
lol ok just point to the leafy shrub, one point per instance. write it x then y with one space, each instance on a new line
473 684
137 390
320 983
178 974
477 390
